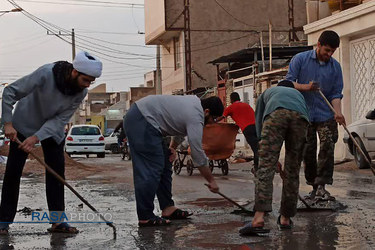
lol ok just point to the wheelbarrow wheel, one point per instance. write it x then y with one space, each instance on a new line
190 167
211 165
224 167
177 167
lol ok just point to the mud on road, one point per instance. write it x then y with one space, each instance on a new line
107 185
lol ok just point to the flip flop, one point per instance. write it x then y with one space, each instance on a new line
249 230
284 227
63 228
178 214
155 222
4 228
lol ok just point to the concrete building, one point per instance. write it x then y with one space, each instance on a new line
356 54
216 28
150 79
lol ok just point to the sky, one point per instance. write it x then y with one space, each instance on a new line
106 30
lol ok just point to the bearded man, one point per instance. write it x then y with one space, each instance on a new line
46 100
318 66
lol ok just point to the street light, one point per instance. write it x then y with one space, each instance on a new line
2 12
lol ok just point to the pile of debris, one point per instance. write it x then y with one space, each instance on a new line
73 169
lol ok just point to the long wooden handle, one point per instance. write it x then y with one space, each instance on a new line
350 135
231 201
59 178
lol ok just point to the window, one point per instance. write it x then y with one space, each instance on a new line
177 53
237 84
85 131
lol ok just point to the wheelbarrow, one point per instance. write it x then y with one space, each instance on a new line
219 142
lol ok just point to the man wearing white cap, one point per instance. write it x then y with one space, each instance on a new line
47 99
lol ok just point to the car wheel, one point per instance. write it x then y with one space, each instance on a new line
358 157
101 155
115 148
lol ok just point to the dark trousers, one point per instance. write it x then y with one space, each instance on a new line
152 170
251 137
53 157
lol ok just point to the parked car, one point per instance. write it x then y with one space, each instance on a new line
363 132
85 139
111 143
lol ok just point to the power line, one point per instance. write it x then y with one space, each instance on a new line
235 18
107 32
93 4
16 41
44 24
24 48
119 44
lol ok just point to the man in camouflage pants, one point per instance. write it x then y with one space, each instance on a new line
284 115
318 65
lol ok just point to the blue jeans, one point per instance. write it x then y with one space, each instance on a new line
152 170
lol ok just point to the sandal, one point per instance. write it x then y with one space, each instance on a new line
4 228
63 228
155 222
249 230
178 214
283 227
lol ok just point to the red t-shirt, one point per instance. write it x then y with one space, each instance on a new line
242 113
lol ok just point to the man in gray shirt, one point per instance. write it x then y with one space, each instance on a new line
46 100
146 123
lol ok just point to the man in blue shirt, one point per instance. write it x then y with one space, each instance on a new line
318 66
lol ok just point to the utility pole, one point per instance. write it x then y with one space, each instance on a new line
158 87
187 45
270 42
292 31
73 45
262 50
68 34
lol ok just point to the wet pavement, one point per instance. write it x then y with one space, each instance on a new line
213 225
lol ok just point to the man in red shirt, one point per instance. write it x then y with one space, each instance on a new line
244 116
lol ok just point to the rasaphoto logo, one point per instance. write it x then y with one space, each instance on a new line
72 217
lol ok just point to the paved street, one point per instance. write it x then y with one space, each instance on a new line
213 226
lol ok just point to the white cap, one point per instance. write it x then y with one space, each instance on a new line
87 64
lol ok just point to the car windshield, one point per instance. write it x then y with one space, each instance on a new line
85 131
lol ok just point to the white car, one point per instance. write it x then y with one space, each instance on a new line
85 139
363 132
111 143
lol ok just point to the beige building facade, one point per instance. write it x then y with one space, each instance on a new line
356 54
216 28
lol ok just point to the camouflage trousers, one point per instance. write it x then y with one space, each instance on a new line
320 172
281 125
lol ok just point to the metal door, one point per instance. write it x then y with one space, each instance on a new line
362 76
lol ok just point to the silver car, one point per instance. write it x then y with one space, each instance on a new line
363 132
85 139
